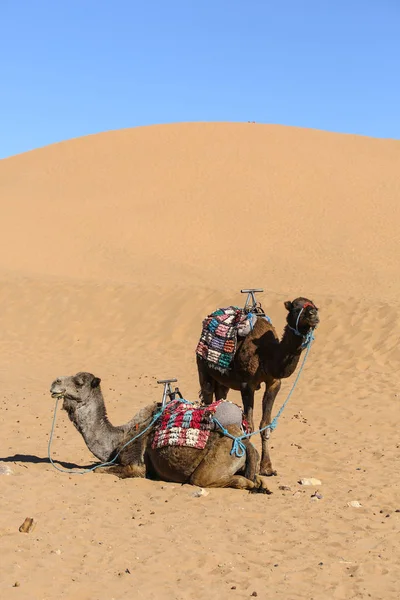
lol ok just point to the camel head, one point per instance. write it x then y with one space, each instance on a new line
302 315
76 390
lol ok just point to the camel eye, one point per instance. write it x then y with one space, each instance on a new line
79 382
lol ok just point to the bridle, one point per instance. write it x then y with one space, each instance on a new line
309 335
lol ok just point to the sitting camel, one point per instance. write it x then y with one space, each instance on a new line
261 358
212 466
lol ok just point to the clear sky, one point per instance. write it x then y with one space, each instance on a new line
73 67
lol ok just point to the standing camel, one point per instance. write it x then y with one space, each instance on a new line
261 358
210 466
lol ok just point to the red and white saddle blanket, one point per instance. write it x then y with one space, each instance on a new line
187 424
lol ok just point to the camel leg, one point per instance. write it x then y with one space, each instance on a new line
207 383
239 482
201 478
252 460
218 467
267 404
248 403
221 391
124 471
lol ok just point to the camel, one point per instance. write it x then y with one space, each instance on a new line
261 358
213 466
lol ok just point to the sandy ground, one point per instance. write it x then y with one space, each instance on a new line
113 249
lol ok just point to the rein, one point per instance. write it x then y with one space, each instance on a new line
238 447
104 464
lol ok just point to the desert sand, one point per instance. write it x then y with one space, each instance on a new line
114 247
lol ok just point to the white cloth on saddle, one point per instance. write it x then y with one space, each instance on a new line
227 413
246 325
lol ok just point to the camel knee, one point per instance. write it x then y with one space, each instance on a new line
265 434
124 471
135 470
201 480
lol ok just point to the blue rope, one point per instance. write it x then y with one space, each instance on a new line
105 464
238 447
308 338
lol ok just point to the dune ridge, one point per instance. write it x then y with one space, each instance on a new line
114 247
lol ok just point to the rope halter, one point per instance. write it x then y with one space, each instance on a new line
309 336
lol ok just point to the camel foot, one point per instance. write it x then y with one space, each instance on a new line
268 472
260 486
124 471
101 470
260 491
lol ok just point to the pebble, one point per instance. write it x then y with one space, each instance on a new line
316 496
27 525
310 481
16 584
285 488
355 504
5 470
200 492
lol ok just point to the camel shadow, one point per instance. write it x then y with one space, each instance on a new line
31 458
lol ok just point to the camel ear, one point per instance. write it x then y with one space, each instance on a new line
288 305
95 382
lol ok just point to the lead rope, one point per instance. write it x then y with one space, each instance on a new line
238 448
104 464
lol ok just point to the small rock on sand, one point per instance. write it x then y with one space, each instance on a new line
5 469
355 504
200 492
27 525
310 481
316 496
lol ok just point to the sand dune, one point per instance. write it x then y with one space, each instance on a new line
113 249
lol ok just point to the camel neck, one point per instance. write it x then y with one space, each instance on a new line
288 354
100 436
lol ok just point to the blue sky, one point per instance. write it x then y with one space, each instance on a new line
73 67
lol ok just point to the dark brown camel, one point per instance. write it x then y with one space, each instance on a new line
261 358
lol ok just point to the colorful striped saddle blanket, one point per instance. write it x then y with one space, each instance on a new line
218 340
187 424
